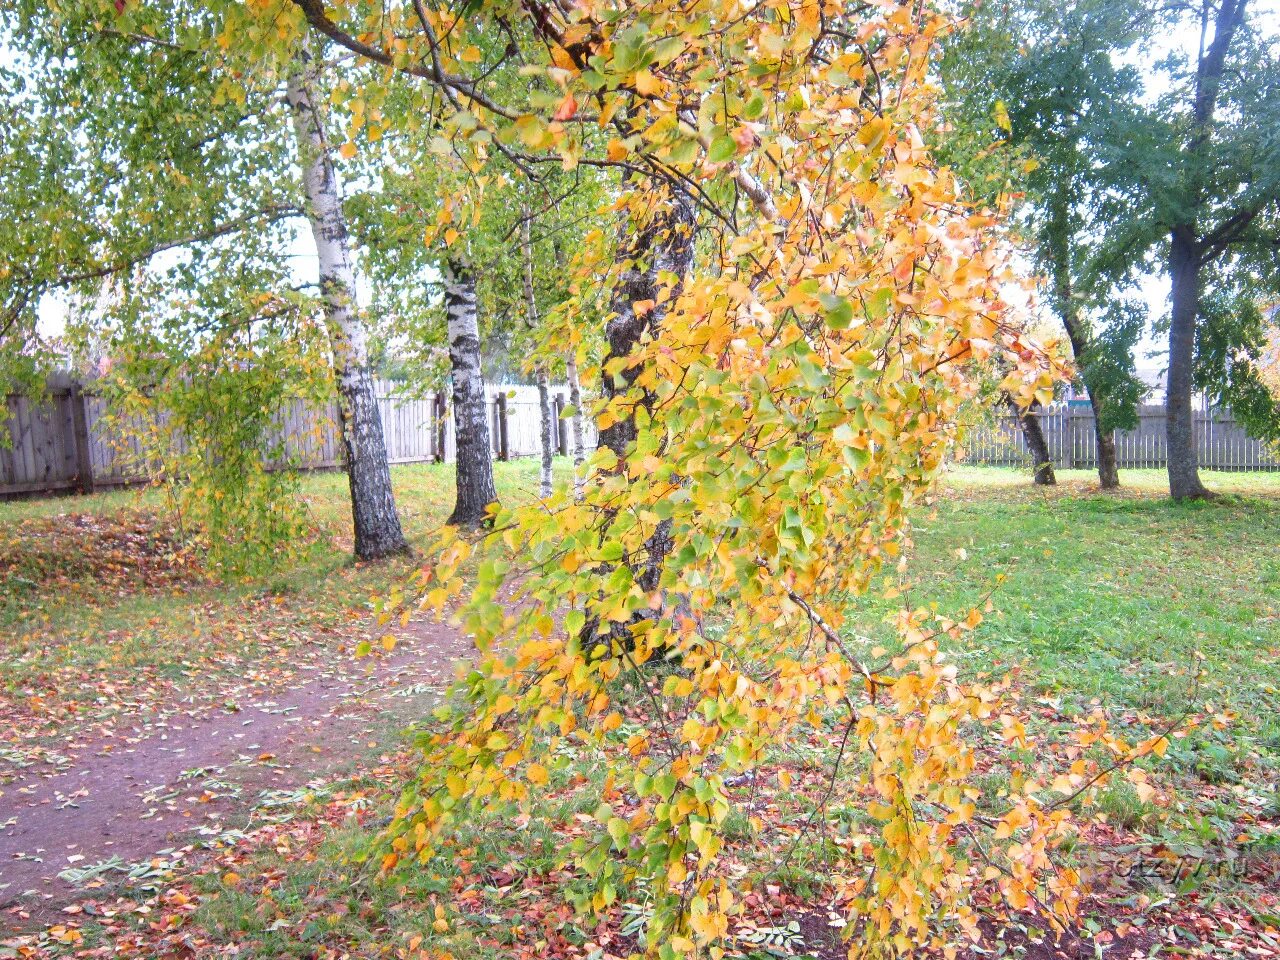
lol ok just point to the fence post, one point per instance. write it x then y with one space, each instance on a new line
1069 422
441 412
562 434
504 442
80 437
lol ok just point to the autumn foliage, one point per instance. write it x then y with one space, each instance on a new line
810 304
791 401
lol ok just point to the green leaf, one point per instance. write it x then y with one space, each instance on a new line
878 304
839 311
620 831
723 148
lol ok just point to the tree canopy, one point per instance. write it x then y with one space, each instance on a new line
787 301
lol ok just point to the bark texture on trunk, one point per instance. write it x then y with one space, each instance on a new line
579 432
1058 236
664 245
1042 462
1108 466
474 459
373 505
546 414
1184 271
547 426
1187 255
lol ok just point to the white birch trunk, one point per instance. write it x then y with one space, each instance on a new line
579 441
546 413
373 506
474 459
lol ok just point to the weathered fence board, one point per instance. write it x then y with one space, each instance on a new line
68 441
1221 443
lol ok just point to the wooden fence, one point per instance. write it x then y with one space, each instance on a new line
67 440
1221 443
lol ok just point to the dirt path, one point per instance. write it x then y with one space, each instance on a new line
194 777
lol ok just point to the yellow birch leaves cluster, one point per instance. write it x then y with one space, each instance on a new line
794 398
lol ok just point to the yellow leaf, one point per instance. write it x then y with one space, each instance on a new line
1001 113
647 85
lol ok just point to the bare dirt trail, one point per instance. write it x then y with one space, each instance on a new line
133 801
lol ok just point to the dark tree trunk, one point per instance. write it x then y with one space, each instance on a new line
663 245
1108 468
373 503
1184 272
474 459
1042 462
1185 261
1058 236
547 432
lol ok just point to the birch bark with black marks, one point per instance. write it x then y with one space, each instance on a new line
546 415
546 433
474 456
373 505
664 245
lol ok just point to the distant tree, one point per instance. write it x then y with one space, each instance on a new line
1176 164
1031 89
171 172
1041 459
1194 184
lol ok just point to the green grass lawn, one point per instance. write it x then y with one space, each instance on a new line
1128 601
1108 596
1119 597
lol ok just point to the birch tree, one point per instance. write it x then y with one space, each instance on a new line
800 308
195 207
476 494
373 505
546 411
799 303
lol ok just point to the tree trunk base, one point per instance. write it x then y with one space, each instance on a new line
1108 468
385 552
469 518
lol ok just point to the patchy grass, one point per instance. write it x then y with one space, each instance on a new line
1120 598
107 618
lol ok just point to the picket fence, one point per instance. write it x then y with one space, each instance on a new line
1221 443
66 440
